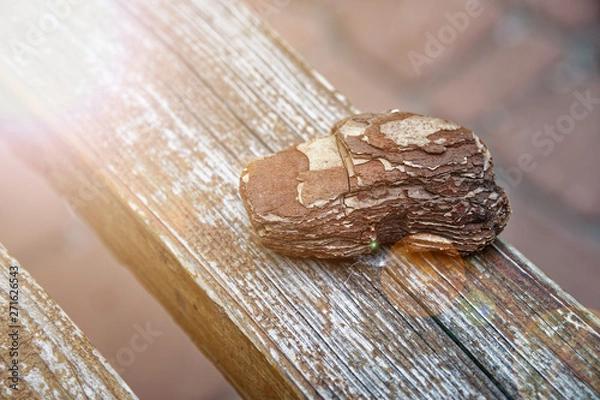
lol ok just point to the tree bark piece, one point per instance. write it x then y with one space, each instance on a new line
376 179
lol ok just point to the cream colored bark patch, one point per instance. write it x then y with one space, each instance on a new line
352 128
322 153
415 130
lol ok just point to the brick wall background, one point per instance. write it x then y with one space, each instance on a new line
510 70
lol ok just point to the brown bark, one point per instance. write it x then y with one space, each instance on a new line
376 179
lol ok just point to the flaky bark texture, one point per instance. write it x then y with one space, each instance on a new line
376 179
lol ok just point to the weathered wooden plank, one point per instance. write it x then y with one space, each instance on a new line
44 355
151 109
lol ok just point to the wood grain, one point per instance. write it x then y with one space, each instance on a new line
54 358
143 114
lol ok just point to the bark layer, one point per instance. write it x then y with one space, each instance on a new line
376 178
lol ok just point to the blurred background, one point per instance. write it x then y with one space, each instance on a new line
522 74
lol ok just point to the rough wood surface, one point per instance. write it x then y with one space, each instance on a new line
375 179
148 112
48 356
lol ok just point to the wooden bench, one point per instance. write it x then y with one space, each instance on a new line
145 114
44 355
